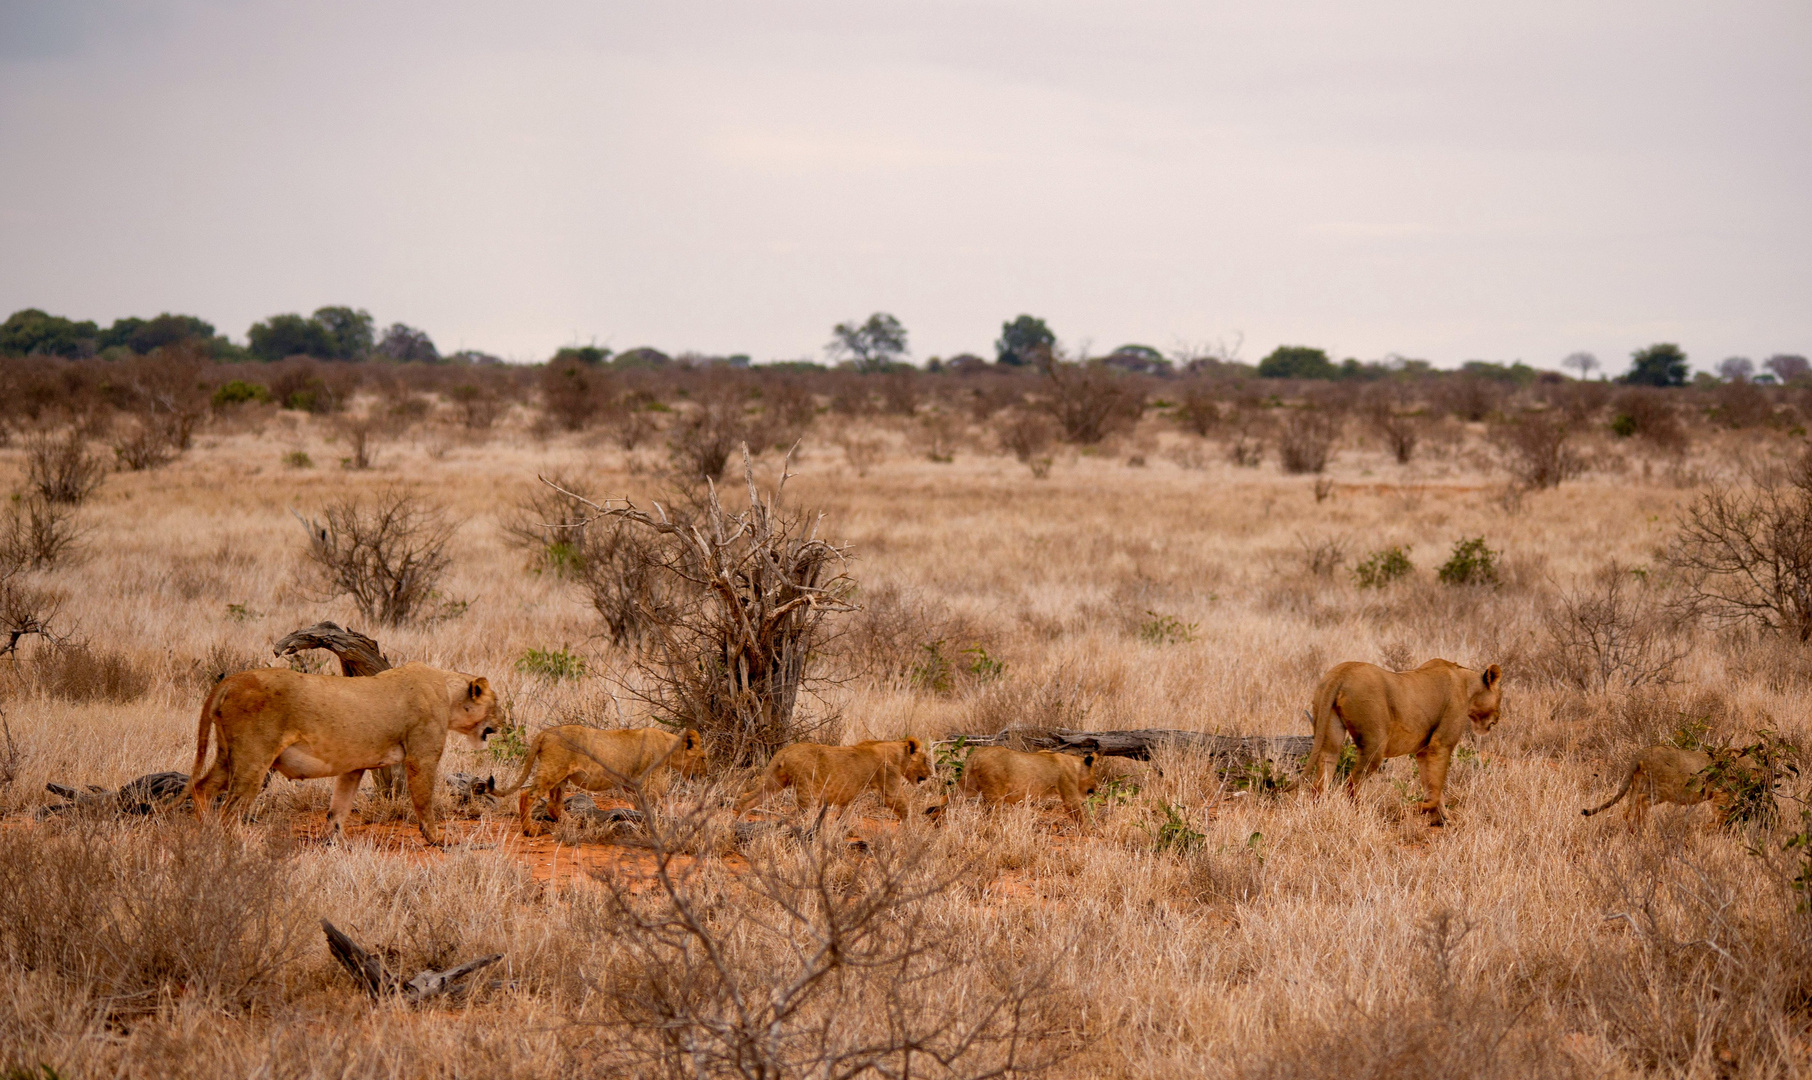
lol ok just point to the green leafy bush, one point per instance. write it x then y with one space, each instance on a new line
555 664
1166 630
238 392
1472 563
298 459
1380 568
1173 833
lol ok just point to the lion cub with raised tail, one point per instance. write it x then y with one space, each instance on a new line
1662 774
1000 775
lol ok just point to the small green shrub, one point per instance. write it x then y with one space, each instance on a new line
1116 792
507 744
298 459
1166 630
1623 426
1472 563
238 392
1173 833
1262 778
952 758
555 664
984 667
1380 568
933 671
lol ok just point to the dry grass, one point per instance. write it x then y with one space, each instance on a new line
1274 935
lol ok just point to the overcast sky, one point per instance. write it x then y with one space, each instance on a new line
1441 180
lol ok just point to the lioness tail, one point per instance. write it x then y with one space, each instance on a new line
202 730
1621 792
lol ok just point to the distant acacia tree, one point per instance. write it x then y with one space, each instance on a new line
331 333
1025 340
1736 369
1583 362
352 331
31 331
874 345
1662 364
406 343
1787 367
1297 362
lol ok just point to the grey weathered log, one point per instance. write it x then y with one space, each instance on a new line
153 791
358 655
1140 742
378 981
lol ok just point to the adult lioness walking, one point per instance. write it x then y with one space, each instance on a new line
1392 713
314 726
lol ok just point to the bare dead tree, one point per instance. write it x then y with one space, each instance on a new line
748 596
838 963
1089 401
1746 552
387 555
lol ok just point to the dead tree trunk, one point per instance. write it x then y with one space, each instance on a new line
370 972
358 655
1234 750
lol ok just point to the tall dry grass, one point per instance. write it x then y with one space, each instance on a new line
1204 926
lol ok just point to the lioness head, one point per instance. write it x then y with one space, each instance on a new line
689 756
475 711
916 765
1487 690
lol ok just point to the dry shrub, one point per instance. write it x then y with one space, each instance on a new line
611 561
24 610
1246 433
1401 431
35 533
886 638
1536 449
479 406
61 469
571 391
1468 397
703 437
819 959
863 448
1741 404
1306 438
387 555
1199 412
1090 401
1613 629
82 673
362 433
1649 413
1028 436
1059 700
936 435
132 919
1746 552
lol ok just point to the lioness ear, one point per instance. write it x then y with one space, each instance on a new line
478 688
1492 675
914 746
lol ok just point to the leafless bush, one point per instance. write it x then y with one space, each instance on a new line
24 611
131 921
1305 439
167 400
1090 401
1649 413
1613 631
387 555
362 433
1746 551
894 632
1199 413
1058 701
935 435
571 391
61 469
748 595
1322 556
1245 435
35 533
862 448
837 963
479 406
1741 404
611 561
80 673
140 445
1536 449
630 418
1028 437
1400 431
702 438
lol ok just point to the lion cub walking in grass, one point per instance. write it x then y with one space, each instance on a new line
1000 775
1663 774
1424 712
596 760
839 775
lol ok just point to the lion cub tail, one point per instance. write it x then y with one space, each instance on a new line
1628 781
528 770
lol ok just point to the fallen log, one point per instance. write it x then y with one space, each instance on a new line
153 791
370 972
1139 743
358 655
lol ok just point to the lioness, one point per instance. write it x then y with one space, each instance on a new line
1662 774
316 726
1392 713
596 759
1000 775
838 775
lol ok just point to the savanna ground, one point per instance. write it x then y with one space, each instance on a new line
1200 926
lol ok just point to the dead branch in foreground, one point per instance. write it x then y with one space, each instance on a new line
1139 743
153 791
371 974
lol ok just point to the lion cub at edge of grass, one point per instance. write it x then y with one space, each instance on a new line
1000 775
1662 774
596 759
839 775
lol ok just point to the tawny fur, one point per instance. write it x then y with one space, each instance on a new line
1661 774
1000 775
316 726
839 775
1389 714
598 760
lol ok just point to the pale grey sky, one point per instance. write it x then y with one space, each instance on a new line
1441 180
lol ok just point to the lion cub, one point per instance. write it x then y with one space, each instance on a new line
1000 775
1662 774
596 760
838 775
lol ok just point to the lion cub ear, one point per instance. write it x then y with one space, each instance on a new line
1088 760
692 739
478 688
913 745
1492 675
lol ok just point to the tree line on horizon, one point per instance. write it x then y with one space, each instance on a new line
876 345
